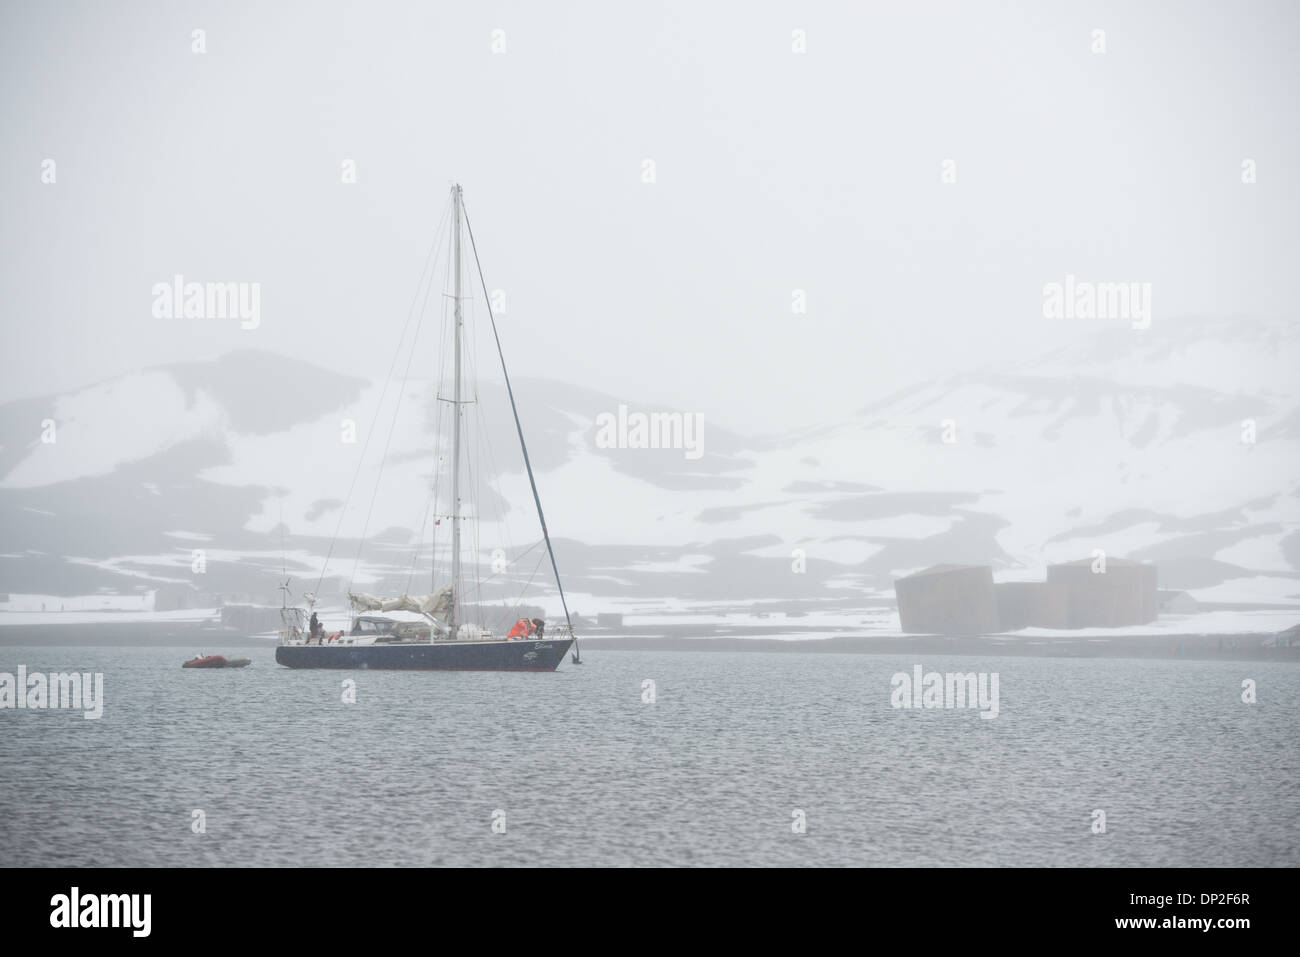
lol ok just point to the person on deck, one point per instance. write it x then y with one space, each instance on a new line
316 629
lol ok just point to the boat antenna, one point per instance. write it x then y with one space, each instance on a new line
487 299
284 561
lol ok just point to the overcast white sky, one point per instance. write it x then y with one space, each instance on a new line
774 171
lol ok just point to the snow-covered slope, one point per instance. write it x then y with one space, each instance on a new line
1138 444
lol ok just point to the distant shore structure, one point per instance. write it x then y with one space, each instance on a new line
948 600
1125 594
964 600
1033 605
1178 603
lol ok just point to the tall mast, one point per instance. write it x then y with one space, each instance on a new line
455 418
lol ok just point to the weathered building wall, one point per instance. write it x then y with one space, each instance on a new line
1125 594
948 600
1033 605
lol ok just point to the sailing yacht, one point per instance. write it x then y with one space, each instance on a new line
449 640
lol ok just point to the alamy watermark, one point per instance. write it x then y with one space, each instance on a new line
651 430
61 690
951 690
179 299
102 910
1084 299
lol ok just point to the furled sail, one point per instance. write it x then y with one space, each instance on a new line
437 605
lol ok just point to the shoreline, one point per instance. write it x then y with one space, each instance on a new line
693 638
1185 647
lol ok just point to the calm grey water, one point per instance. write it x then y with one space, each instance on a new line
709 774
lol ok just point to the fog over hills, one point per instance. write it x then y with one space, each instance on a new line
1136 442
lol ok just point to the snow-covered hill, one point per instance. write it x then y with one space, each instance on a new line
1139 444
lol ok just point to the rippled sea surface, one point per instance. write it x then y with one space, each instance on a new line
709 774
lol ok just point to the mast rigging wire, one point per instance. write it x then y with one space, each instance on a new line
541 517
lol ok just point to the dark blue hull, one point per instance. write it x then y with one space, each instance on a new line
525 655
